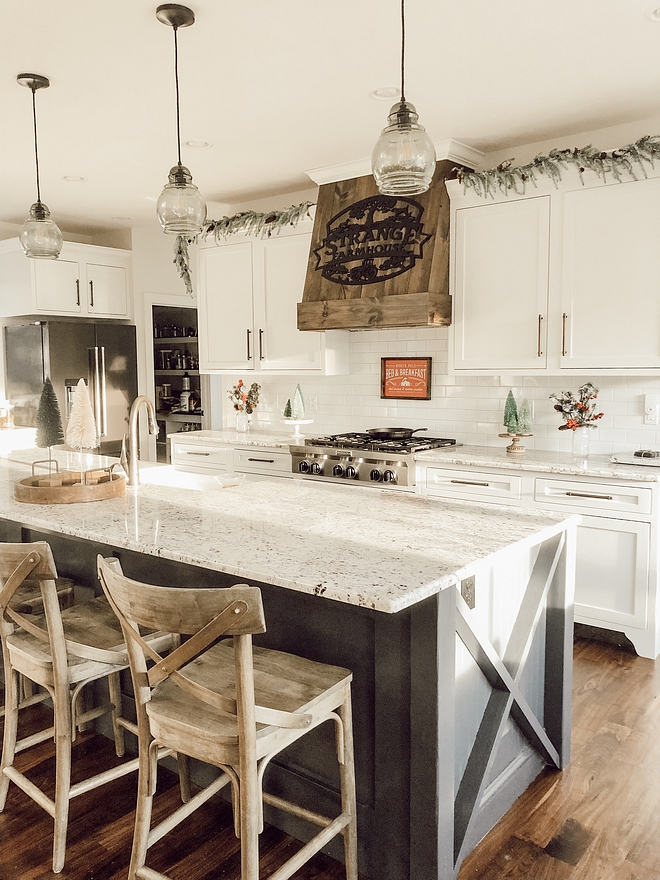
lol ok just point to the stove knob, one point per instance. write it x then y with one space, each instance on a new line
351 472
375 476
303 467
315 468
389 477
337 471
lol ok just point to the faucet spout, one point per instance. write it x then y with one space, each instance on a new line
133 471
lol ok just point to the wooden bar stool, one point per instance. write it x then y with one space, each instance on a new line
62 651
231 705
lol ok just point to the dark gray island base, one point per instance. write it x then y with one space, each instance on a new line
455 711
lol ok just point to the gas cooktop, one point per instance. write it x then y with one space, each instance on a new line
360 458
365 442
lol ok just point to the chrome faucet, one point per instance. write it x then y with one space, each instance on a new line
133 471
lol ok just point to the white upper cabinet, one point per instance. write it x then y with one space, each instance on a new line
564 280
610 285
500 304
85 280
248 292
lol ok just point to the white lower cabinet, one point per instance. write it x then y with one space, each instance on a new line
216 458
617 543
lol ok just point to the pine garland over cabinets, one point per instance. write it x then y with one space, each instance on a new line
507 178
247 222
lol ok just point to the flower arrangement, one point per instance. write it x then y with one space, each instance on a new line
580 411
242 399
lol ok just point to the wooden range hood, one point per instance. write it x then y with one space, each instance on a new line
352 279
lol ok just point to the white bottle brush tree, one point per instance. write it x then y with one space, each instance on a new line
49 421
81 431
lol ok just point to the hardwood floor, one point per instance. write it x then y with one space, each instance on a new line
600 818
597 820
101 827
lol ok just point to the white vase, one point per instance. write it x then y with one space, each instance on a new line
581 442
242 423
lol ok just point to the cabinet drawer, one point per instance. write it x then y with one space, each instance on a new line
593 496
473 485
197 458
262 461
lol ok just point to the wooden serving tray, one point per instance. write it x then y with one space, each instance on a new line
70 487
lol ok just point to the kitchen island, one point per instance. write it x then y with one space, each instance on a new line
455 619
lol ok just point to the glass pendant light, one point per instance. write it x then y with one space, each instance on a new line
181 209
403 160
40 236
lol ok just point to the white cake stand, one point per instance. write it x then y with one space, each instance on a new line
297 423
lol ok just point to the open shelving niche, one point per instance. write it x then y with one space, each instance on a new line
180 340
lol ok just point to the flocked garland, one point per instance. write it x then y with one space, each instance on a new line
509 178
248 222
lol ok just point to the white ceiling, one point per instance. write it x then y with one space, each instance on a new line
283 86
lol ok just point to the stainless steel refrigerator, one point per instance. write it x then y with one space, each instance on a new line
104 354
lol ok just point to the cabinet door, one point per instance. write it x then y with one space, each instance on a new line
611 578
106 290
280 345
58 287
226 338
611 276
501 285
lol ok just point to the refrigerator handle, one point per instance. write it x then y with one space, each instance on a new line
95 377
104 400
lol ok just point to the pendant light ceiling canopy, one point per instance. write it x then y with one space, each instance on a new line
181 209
40 236
403 160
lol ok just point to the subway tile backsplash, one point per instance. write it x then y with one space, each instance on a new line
469 408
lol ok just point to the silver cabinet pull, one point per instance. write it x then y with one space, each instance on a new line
261 345
91 294
197 453
588 495
264 460
77 291
539 350
469 483
249 353
563 334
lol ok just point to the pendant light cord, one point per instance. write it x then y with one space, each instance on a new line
403 47
36 151
176 82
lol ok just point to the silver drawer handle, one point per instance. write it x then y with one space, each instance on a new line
586 495
198 453
469 483
264 460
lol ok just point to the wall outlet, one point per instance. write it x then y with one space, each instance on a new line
651 409
468 591
313 403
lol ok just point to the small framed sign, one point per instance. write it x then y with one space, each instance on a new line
405 378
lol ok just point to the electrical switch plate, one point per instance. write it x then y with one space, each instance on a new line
467 591
651 409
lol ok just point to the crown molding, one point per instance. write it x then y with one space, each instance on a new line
450 149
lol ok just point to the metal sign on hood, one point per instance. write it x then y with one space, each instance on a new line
372 240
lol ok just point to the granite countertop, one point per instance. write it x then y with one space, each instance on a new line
537 460
231 437
359 545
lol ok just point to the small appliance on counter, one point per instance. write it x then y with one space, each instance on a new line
642 457
378 456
